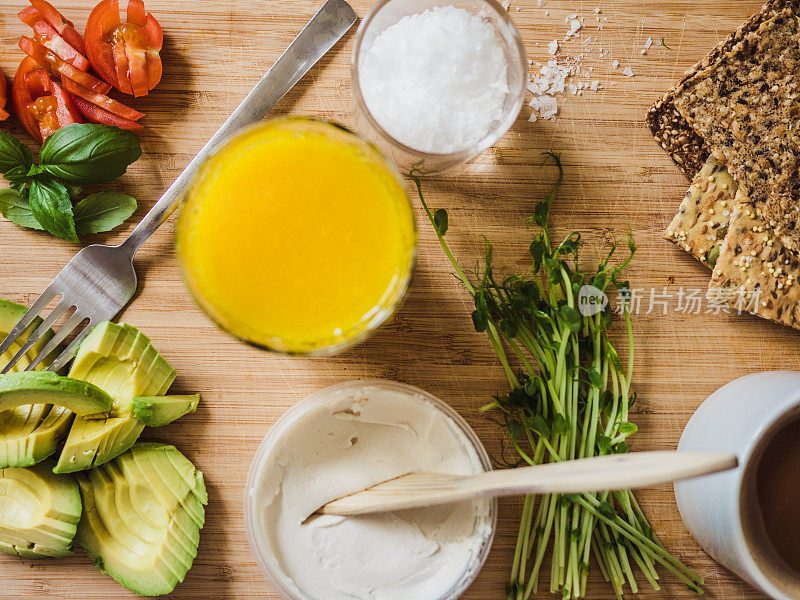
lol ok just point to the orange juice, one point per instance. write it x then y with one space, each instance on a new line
297 236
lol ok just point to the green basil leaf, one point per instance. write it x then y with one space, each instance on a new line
13 153
17 175
74 190
15 207
102 212
89 153
52 207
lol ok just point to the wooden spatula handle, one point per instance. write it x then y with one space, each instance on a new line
603 473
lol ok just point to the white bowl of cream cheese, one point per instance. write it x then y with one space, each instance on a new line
341 440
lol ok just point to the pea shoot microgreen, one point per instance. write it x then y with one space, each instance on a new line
569 398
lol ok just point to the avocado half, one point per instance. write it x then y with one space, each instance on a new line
143 513
121 360
30 433
39 511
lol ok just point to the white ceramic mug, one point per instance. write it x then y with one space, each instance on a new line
738 418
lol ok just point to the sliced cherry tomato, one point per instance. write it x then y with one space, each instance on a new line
155 41
95 114
38 82
41 105
101 100
121 61
48 60
126 55
57 21
29 15
3 97
50 39
135 41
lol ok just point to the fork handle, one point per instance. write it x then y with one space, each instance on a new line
330 23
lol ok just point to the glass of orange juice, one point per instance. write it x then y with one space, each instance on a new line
297 236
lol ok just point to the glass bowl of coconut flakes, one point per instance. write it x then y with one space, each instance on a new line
437 82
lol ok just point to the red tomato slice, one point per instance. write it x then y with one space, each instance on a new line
102 101
48 60
50 39
155 41
95 114
29 15
102 20
3 97
136 53
57 21
38 82
66 111
121 62
136 13
41 105
125 55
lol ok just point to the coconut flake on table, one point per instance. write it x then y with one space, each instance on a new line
436 81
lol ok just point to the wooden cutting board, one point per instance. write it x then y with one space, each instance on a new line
616 177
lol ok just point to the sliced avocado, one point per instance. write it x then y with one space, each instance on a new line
28 434
91 443
157 411
120 360
142 517
46 387
39 511
10 314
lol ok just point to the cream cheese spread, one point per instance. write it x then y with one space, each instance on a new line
353 440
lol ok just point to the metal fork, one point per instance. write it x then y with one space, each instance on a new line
101 280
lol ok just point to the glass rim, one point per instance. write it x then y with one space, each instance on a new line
371 324
311 401
494 134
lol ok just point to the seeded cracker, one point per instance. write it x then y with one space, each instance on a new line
705 213
755 271
747 106
688 149
676 136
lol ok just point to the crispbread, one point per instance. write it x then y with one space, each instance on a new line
705 213
746 105
688 149
755 271
676 137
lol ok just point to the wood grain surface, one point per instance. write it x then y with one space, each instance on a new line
616 176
